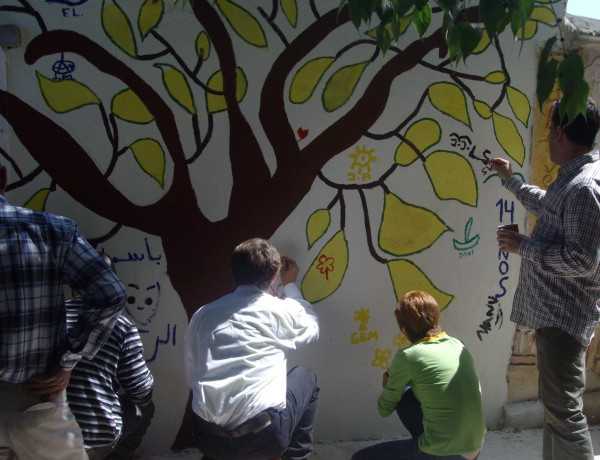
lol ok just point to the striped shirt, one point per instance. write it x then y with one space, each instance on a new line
39 253
94 384
559 281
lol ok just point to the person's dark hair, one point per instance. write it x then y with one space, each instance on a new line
581 131
255 262
418 315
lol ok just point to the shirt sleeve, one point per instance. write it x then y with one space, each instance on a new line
132 373
301 326
530 196
396 385
103 297
578 254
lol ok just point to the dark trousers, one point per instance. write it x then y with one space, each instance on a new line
561 362
136 420
411 415
290 431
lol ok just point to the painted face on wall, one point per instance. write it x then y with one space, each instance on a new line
142 302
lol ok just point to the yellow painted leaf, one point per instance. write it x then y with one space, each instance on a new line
496 77
177 87
407 277
509 138
530 30
519 104
327 271
482 109
543 14
307 78
290 9
483 43
203 46
450 99
150 15
216 102
129 107
405 21
341 85
452 177
407 229
151 157
65 95
38 201
317 225
243 23
118 28
422 134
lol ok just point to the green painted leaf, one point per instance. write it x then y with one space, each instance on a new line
216 102
150 155
406 277
509 138
317 225
177 86
450 99
37 202
243 23
307 78
452 177
65 95
407 229
150 15
327 271
127 106
203 46
341 85
290 10
118 28
519 103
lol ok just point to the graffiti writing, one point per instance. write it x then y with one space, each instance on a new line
464 143
361 164
158 341
138 257
465 247
363 316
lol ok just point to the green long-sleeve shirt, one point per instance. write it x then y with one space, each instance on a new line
441 373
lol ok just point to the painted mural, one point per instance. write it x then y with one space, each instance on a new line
173 132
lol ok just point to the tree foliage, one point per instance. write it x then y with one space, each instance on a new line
463 32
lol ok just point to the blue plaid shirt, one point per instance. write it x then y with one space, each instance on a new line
559 281
39 253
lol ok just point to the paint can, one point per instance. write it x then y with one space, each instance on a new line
511 227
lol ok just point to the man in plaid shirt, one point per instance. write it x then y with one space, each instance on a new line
40 252
559 283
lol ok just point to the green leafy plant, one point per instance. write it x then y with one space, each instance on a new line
463 32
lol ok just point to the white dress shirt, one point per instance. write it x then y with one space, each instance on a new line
235 352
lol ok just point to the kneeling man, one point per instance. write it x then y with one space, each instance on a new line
246 405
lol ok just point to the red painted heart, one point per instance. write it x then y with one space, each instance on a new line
302 133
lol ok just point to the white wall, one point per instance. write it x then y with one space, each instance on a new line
349 373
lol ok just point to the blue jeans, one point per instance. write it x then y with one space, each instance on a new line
411 416
561 362
291 429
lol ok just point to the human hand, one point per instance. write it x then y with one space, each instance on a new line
502 167
289 270
384 380
509 241
50 385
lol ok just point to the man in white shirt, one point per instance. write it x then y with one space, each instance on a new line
246 405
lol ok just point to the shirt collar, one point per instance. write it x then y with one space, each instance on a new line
575 164
434 337
248 288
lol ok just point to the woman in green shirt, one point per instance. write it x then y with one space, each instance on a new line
433 387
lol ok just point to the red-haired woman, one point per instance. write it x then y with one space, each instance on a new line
433 387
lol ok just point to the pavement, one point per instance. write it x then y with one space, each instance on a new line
512 444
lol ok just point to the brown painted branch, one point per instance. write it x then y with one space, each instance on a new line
181 193
69 164
250 171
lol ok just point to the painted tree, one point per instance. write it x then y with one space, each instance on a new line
208 95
